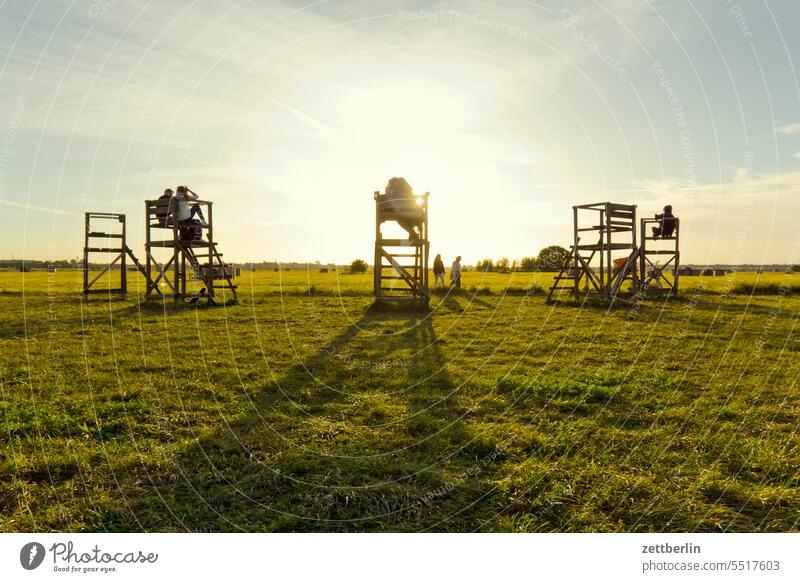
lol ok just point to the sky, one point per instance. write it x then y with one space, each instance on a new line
288 115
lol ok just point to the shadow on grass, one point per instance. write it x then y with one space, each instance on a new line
363 435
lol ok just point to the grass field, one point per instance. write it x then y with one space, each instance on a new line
304 409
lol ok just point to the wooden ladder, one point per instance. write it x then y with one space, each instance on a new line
565 267
206 275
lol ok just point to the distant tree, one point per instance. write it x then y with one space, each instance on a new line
502 265
552 258
515 265
358 266
796 268
486 266
528 264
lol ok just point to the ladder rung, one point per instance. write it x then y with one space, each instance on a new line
104 235
401 242
599 247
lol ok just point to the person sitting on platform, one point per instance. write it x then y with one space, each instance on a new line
666 225
438 271
185 212
162 207
399 190
455 273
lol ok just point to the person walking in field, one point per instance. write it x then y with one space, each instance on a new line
185 212
438 271
455 273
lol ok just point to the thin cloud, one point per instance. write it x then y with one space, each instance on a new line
36 208
789 129
304 117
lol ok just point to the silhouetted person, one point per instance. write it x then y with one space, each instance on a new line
185 212
438 270
455 273
666 225
162 207
401 200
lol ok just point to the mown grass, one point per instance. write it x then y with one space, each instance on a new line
303 408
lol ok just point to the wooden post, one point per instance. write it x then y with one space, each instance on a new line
575 239
677 256
211 251
176 250
378 261
86 254
123 262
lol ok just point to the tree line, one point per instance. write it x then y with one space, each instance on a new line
549 259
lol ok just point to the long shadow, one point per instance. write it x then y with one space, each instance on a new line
363 435
450 300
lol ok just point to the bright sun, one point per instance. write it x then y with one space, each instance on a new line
433 134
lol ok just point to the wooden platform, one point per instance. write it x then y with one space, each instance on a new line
401 260
183 264
121 252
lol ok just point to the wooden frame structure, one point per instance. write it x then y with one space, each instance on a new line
187 253
121 252
592 263
402 260
653 277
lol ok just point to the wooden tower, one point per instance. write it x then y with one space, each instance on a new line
189 255
600 267
106 242
652 251
401 264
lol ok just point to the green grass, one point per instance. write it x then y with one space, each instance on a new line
304 409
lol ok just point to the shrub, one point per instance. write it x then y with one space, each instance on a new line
528 264
485 266
358 266
552 258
